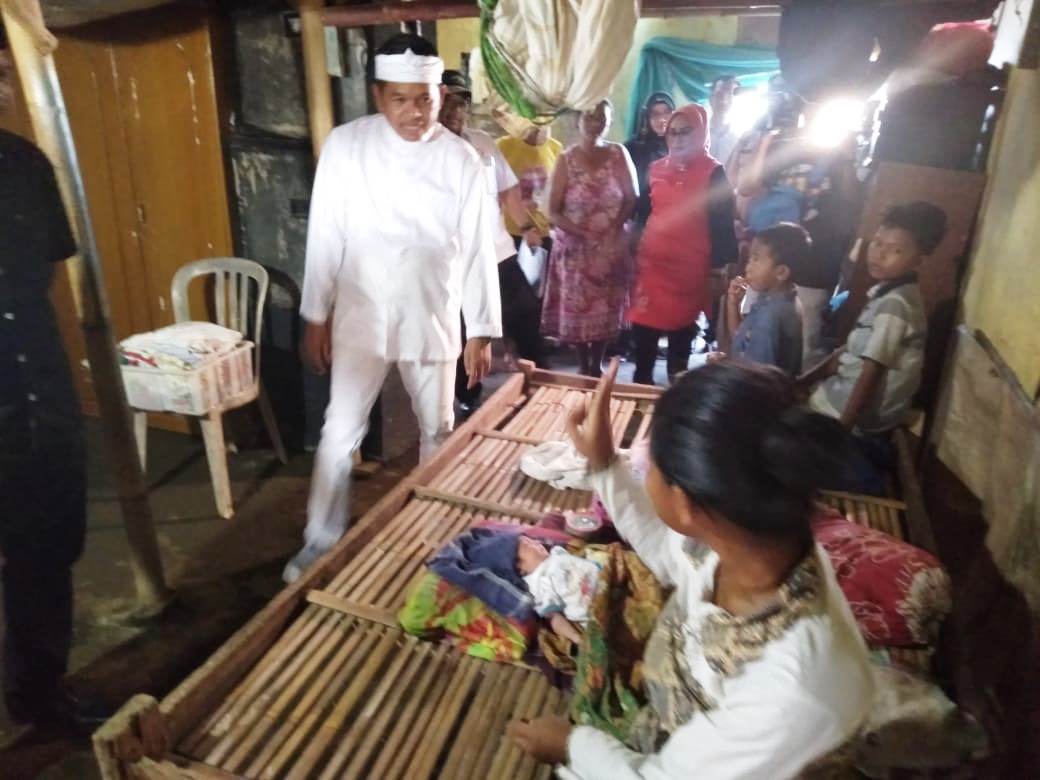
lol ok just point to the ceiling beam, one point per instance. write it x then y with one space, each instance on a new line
432 10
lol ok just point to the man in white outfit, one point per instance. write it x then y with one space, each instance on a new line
398 243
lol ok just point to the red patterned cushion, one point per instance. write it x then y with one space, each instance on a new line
899 593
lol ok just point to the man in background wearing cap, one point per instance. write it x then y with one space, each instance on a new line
398 243
503 188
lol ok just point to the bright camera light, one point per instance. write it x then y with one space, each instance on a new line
834 121
748 107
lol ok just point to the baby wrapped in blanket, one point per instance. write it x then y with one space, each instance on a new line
561 585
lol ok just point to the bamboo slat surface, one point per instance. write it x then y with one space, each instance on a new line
356 699
342 694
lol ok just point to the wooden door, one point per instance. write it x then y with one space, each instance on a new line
142 101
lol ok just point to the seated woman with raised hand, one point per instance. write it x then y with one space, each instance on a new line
756 668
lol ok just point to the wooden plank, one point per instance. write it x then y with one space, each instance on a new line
472 733
529 705
435 714
347 607
458 693
488 433
283 658
882 514
495 727
538 377
856 497
492 507
137 731
620 393
919 526
411 684
287 724
644 424
183 767
371 711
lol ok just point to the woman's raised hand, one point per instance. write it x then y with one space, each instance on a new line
589 426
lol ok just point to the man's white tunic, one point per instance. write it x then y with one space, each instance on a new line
398 240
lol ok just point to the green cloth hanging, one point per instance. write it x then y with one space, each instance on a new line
670 64
502 77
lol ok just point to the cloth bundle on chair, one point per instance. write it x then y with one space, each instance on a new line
544 56
239 295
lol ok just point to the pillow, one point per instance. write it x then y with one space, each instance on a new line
434 608
899 594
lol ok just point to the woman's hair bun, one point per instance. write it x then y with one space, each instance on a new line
802 449
732 436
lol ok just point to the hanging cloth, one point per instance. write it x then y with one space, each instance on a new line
545 56
670 64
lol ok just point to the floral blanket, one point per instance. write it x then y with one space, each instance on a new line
434 608
608 680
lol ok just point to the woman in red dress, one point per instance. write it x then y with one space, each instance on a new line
689 232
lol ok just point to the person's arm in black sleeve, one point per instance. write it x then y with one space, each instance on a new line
61 244
722 209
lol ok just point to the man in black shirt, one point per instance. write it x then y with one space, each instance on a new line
42 450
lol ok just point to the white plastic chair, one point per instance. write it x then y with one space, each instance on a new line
234 276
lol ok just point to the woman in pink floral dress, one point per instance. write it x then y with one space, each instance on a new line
593 195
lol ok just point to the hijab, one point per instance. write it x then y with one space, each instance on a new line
697 116
646 147
644 132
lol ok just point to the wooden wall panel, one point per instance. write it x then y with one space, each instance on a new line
168 105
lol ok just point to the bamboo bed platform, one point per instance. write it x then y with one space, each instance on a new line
323 684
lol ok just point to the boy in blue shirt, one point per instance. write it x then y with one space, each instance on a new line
771 333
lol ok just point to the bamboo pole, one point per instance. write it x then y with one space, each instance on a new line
50 123
430 494
371 710
473 732
296 711
405 726
385 724
316 78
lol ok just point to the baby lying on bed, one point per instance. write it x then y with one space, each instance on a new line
562 585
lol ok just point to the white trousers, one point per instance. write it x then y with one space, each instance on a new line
814 302
356 383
